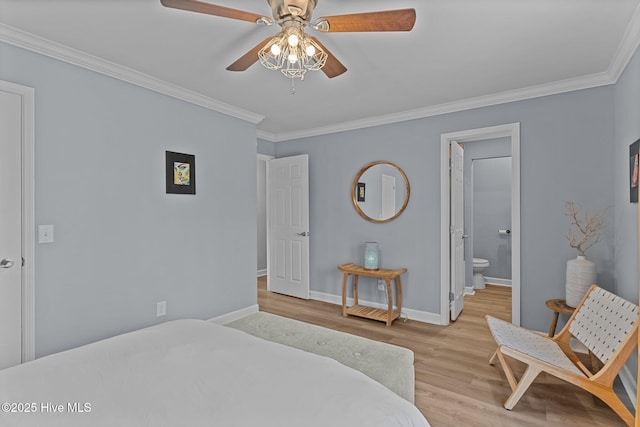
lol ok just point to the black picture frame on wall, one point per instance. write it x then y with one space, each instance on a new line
181 173
361 191
633 171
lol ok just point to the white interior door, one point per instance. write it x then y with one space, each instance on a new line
457 230
388 196
288 257
10 229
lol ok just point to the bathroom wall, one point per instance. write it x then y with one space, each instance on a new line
492 212
500 266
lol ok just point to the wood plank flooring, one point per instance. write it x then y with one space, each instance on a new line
455 385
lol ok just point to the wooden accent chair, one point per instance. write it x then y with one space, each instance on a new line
605 323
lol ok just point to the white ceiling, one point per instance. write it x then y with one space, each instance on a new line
460 54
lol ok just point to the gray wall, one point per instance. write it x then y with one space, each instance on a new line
122 244
566 154
627 130
267 148
490 148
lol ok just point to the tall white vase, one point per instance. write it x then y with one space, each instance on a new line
581 273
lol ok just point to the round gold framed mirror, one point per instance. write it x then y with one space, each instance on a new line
380 191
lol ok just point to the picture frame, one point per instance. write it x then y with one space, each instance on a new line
180 173
361 191
634 171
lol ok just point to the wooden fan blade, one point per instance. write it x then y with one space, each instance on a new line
212 9
332 67
390 20
249 58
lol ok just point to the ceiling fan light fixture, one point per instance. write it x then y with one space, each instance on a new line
294 58
275 49
310 50
296 7
321 25
293 53
293 40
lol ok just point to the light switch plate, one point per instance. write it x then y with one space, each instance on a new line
45 234
161 308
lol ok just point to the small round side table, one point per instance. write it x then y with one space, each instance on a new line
557 306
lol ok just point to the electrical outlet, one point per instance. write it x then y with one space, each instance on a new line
382 285
161 308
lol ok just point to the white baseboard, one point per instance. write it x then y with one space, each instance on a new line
262 272
497 281
420 316
468 290
235 315
331 299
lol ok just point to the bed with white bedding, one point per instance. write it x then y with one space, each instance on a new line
195 373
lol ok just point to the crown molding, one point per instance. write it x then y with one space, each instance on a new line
627 47
267 136
569 85
624 52
76 57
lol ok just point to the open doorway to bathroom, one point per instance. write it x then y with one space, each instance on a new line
507 243
487 213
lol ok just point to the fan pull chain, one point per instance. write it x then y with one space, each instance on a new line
293 86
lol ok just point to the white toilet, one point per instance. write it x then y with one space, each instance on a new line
479 265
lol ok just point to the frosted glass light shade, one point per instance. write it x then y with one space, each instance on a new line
371 255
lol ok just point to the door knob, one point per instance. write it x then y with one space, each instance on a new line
303 234
6 263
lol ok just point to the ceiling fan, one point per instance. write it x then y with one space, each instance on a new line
292 51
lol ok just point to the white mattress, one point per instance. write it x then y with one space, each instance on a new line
195 373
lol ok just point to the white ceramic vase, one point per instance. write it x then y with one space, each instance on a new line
581 273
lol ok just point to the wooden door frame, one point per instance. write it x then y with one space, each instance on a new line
28 215
512 131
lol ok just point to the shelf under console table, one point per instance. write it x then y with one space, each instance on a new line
388 315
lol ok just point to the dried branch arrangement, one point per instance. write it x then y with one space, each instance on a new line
585 230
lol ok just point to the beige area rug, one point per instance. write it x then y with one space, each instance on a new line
390 365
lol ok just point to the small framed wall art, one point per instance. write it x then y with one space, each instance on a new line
181 173
361 191
633 171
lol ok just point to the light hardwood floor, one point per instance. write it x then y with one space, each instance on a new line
455 385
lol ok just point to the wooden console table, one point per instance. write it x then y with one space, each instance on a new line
388 315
